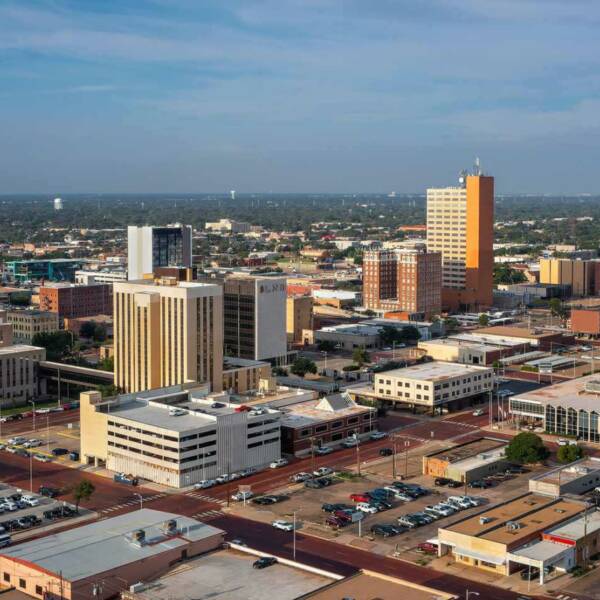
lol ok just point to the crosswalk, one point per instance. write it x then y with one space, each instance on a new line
206 498
207 515
132 502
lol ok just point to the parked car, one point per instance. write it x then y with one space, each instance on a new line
300 477
386 452
74 456
408 521
350 442
380 504
123 478
366 508
384 530
59 451
427 548
322 450
222 478
241 496
280 462
360 497
30 500
42 458
17 440
377 435
322 471
247 471
48 491
330 508
204 484
336 522
480 484
478 412
32 443
283 525
263 562
440 481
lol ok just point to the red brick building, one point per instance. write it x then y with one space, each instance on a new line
71 300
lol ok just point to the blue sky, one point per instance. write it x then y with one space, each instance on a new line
297 95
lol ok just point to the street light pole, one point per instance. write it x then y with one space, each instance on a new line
357 457
406 446
141 500
394 459
294 536
468 593
31 472
32 402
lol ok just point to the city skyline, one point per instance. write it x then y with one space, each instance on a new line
297 97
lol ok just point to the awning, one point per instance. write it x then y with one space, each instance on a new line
495 560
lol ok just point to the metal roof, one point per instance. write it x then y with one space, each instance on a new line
105 545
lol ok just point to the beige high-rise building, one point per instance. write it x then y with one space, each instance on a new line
299 316
583 276
460 225
167 332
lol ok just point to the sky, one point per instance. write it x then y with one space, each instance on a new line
298 95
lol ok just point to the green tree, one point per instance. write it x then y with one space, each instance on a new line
20 299
82 492
108 391
484 320
107 364
326 345
99 334
569 453
526 448
558 309
87 329
360 356
451 325
505 274
302 366
57 343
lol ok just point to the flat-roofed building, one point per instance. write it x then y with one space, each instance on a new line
577 477
167 332
468 461
536 338
370 585
462 351
567 408
176 436
103 558
70 300
323 422
585 321
299 317
6 330
27 322
431 386
19 381
241 375
493 539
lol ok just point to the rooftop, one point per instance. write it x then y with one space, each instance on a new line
105 545
479 338
228 575
530 514
367 585
467 450
315 411
571 393
571 472
15 348
459 343
576 529
521 332
435 371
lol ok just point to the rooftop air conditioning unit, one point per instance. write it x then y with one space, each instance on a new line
484 520
170 527
139 537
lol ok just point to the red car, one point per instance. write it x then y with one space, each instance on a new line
427 548
343 516
335 522
360 497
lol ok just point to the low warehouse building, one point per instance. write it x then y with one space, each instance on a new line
103 558
468 461
575 478
509 536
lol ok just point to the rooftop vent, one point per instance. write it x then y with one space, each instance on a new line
170 527
484 520
593 386
512 525
559 510
138 537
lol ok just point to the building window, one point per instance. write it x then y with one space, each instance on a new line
6 577
22 583
38 590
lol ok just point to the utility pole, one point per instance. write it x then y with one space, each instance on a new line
357 457
406 446
394 460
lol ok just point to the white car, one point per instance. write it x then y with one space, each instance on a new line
445 509
350 442
241 496
283 525
9 505
300 477
322 450
42 411
204 484
322 471
222 478
30 500
33 443
478 412
366 508
42 458
17 440
280 462
378 435
235 476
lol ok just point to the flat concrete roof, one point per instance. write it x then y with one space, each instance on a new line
467 449
542 550
105 545
570 394
478 338
534 513
18 348
436 371
519 332
570 472
458 343
371 586
578 528
228 575
484 458
316 411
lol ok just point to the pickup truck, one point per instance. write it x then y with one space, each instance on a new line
126 479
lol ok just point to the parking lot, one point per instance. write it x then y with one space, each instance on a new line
23 511
307 505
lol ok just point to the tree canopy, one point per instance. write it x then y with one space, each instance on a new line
360 356
302 366
82 491
526 447
569 453
57 343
